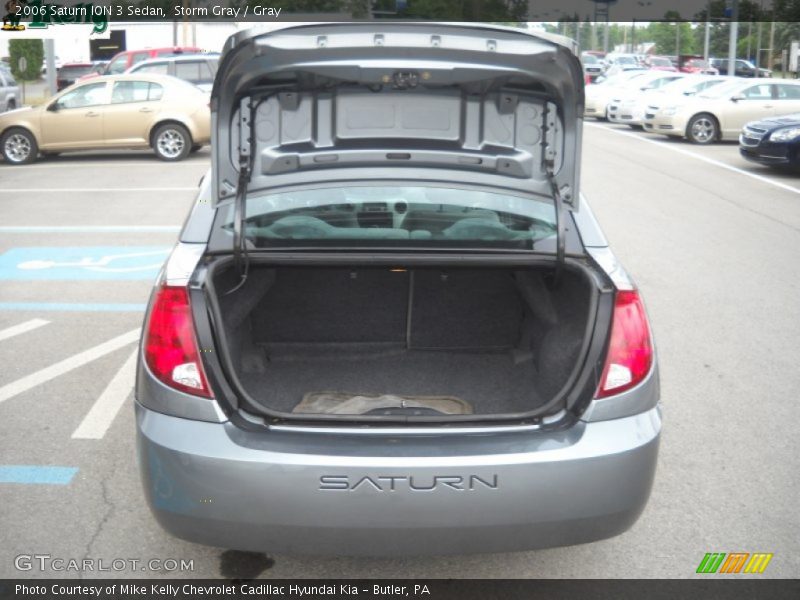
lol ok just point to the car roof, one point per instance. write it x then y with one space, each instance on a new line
163 79
180 58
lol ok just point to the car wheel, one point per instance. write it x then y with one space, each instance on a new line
172 142
702 129
11 105
19 147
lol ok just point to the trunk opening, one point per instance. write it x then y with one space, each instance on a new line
373 341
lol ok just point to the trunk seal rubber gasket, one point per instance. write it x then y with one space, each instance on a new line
561 400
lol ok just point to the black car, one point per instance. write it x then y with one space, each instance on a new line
742 68
71 72
774 141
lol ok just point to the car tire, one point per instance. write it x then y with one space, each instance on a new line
11 105
19 146
702 129
172 142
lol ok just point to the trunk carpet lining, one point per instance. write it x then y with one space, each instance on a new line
490 381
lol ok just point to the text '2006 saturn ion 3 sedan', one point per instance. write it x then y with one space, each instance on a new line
391 324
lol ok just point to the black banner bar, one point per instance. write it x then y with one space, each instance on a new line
711 588
498 11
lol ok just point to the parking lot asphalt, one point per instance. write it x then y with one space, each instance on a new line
711 240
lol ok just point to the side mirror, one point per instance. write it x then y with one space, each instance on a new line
737 97
54 107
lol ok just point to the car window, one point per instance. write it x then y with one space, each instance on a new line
155 68
193 71
117 65
396 216
156 92
139 57
86 95
758 92
788 92
135 91
663 81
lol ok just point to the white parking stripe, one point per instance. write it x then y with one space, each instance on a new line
68 364
711 161
22 328
30 190
101 415
106 165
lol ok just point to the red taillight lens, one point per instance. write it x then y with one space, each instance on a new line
170 349
630 352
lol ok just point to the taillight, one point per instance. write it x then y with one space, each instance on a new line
170 346
630 351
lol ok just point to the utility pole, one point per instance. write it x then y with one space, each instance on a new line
749 36
758 46
708 31
677 39
771 42
733 37
50 61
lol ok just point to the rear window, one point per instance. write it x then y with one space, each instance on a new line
194 71
400 216
153 69
74 72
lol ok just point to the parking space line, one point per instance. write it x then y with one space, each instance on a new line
73 306
22 328
89 228
101 415
106 165
73 362
36 474
711 161
30 190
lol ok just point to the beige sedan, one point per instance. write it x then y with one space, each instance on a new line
720 112
119 112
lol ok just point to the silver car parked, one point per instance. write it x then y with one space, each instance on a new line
9 91
391 324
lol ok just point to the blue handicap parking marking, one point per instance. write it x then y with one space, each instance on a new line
82 262
37 474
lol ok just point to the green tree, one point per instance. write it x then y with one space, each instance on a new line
33 52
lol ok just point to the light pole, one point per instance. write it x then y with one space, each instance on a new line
708 32
732 39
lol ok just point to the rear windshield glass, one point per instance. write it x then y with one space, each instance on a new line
395 217
75 72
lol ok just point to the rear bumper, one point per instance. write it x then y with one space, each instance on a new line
396 493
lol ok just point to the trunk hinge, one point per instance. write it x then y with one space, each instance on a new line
245 171
548 163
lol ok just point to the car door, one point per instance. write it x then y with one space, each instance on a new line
751 103
133 109
787 99
75 119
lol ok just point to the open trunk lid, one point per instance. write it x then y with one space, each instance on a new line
439 102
